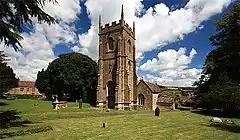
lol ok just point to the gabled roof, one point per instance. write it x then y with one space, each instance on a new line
26 84
153 87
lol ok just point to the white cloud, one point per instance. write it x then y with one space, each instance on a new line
169 82
65 10
169 59
38 45
157 27
172 68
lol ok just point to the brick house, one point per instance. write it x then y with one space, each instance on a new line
25 88
150 95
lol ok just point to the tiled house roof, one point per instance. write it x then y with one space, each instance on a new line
26 84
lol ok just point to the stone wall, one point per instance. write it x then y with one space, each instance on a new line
117 64
154 101
142 88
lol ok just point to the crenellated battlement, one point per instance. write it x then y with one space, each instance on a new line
115 25
108 25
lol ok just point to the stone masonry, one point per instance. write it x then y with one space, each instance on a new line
117 77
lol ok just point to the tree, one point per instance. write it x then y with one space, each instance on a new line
42 83
218 86
7 76
14 14
74 74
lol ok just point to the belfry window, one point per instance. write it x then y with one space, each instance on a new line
129 46
110 43
141 99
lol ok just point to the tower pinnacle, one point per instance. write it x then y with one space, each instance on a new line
122 13
134 27
99 21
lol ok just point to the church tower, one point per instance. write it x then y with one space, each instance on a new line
117 66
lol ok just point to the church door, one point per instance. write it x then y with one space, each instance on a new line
111 95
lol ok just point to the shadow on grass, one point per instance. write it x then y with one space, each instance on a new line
231 128
3 104
216 113
11 118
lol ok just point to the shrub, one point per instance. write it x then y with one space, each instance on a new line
6 117
26 96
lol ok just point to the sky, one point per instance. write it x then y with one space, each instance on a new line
172 36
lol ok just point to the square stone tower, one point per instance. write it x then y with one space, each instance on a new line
117 66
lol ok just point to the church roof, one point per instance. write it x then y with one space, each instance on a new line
153 86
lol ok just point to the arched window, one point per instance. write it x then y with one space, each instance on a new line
141 99
129 46
110 43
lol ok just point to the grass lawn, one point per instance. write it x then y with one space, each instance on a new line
86 124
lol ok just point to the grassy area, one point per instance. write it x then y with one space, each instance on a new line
27 106
73 123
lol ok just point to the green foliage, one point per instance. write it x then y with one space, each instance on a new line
223 95
14 14
25 131
40 107
42 83
6 117
73 74
7 76
218 86
17 96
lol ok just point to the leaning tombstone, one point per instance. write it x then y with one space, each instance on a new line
157 111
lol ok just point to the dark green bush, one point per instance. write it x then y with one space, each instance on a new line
26 96
27 130
6 117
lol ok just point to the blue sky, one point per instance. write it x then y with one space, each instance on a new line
172 36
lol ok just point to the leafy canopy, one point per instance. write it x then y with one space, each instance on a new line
14 14
7 76
218 87
74 74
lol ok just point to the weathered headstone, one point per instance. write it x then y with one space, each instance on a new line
80 103
157 111
216 120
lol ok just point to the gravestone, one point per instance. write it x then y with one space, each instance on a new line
157 111
216 120
80 103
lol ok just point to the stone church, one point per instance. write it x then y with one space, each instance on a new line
118 87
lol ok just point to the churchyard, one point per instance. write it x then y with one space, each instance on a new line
40 121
